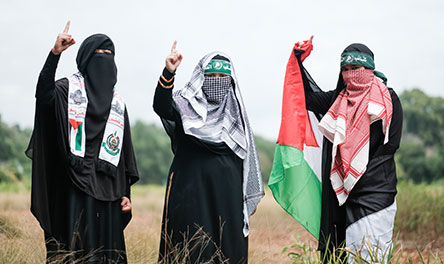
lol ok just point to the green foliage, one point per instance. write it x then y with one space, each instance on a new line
421 154
15 167
420 157
424 116
412 158
265 149
153 152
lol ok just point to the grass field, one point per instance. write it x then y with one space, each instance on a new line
272 230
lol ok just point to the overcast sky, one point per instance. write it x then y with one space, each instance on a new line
407 38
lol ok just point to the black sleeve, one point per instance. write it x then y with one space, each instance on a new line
318 102
45 92
163 97
395 130
131 172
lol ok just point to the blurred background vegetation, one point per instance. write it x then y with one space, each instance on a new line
420 158
420 167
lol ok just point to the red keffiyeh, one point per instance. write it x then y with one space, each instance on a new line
347 125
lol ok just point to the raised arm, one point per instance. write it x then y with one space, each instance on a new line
163 100
46 83
316 100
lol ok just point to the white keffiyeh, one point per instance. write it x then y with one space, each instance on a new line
225 121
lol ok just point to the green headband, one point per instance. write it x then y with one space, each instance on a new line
357 58
218 66
363 59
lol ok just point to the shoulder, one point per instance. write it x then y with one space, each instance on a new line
393 94
62 85
62 82
396 102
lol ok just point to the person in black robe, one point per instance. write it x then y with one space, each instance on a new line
370 207
81 203
204 212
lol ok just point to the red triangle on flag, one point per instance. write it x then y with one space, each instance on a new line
75 124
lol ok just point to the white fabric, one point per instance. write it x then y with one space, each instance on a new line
372 235
110 148
312 154
77 104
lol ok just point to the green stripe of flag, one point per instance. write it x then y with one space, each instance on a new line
79 137
296 188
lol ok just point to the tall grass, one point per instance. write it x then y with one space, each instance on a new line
418 223
301 252
420 215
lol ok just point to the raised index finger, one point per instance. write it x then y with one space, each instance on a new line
173 48
67 27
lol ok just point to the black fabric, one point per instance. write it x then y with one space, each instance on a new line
88 47
53 97
52 175
204 190
359 48
220 57
100 73
376 189
87 231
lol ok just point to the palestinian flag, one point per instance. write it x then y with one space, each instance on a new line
295 179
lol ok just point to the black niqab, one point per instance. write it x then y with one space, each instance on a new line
100 73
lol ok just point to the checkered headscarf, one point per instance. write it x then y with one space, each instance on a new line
222 120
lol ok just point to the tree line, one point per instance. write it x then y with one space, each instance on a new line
419 159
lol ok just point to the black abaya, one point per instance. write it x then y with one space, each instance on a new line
204 192
79 210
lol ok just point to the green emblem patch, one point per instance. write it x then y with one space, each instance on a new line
112 144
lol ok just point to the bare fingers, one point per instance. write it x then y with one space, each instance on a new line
65 31
173 48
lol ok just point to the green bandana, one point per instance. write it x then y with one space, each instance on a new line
218 66
357 58
363 59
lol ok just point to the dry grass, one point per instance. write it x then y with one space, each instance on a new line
272 230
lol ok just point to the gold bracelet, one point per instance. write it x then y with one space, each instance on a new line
166 87
163 78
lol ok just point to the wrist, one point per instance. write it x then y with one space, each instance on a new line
170 70
168 74
55 52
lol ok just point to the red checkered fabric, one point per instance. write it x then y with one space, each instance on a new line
347 125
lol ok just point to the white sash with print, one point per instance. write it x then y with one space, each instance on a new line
111 146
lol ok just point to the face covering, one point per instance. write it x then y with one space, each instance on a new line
100 73
101 76
216 88
358 79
